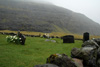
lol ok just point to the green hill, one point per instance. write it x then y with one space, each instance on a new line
43 17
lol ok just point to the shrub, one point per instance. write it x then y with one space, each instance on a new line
13 39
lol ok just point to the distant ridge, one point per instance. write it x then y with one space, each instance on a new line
40 17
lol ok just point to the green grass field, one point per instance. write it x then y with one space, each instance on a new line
35 51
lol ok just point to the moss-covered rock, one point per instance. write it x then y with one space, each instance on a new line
61 60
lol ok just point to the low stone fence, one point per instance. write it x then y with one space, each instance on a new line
86 56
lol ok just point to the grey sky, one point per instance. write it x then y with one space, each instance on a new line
90 8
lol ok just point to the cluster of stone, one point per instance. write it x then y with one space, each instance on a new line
61 60
89 53
5 33
86 56
58 60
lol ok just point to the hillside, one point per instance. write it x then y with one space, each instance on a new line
42 17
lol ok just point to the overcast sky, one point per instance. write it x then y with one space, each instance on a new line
90 8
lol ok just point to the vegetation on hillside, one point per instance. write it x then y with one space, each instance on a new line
40 17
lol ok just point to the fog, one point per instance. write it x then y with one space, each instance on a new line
90 8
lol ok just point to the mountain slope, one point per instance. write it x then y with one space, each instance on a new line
42 17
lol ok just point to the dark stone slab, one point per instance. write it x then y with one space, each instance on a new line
68 39
23 38
85 36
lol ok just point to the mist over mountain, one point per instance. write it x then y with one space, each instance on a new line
43 17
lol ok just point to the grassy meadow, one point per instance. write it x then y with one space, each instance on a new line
35 51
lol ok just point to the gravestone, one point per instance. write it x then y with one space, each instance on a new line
68 39
23 38
85 36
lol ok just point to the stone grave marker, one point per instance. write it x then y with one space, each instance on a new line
23 38
85 36
68 39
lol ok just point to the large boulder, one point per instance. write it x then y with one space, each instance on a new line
90 43
98 53
97 40
98 63
87 54
98 57
76 53
61 60
78 62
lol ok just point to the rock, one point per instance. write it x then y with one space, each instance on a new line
97 40
98 62
53 41
46 65
47 40
98 57
87 54
90 43
78 62
98 53
61 60
75 53
50 40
